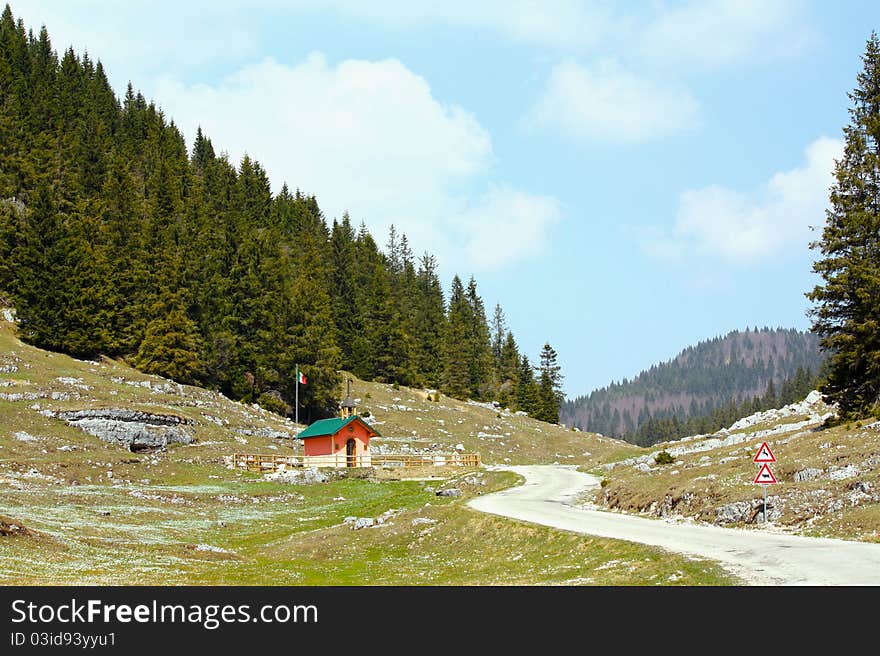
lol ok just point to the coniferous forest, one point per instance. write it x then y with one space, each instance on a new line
118 240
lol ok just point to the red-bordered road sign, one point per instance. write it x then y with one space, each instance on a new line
765 476
764 454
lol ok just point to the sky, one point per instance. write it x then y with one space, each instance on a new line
625 179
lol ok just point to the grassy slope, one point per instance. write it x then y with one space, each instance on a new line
498 435
180 516
842 501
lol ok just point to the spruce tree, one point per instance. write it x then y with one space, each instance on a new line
527 398
846 312
770 399
508 372
499 334
550 395
172 346
429 322
479 348
456 340
346 313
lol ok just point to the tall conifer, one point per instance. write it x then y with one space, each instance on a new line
846 312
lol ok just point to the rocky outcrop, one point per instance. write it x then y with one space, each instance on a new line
306 476
10 528
358 523
263 432
131 428
808 474
748 512
841 473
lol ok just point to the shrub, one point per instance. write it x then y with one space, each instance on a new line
368 396
604 483
365 413
395 385
664 458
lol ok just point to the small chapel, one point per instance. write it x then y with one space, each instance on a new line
343 441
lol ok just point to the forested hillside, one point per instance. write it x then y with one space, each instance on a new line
711 383
116 239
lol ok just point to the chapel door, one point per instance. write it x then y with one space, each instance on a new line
350 450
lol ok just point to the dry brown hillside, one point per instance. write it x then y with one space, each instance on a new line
829 478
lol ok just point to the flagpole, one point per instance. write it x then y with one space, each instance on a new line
297 395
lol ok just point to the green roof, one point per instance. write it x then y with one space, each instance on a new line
331 427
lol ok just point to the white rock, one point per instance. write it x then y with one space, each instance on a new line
808 474
840 473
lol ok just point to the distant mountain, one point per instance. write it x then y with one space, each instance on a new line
700 379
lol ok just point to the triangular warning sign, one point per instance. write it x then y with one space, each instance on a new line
765 476
764 454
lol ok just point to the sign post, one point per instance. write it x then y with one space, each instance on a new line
765 475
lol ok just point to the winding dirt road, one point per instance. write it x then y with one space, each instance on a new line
758 557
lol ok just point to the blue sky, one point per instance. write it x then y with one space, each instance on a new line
625 179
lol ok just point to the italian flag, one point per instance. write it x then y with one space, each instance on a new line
300 377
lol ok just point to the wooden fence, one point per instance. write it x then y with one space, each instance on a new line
265 463
426 460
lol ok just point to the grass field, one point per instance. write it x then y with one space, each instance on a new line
257 532
76 510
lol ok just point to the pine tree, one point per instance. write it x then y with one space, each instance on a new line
11 215
499 334
479 348
846 312
203 150
172 346
456 340
508 372
527 394
770 399
346 313
550 394
429 322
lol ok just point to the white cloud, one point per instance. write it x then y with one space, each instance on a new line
608 103
718 222
506 225
659 44
706 34
367 136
